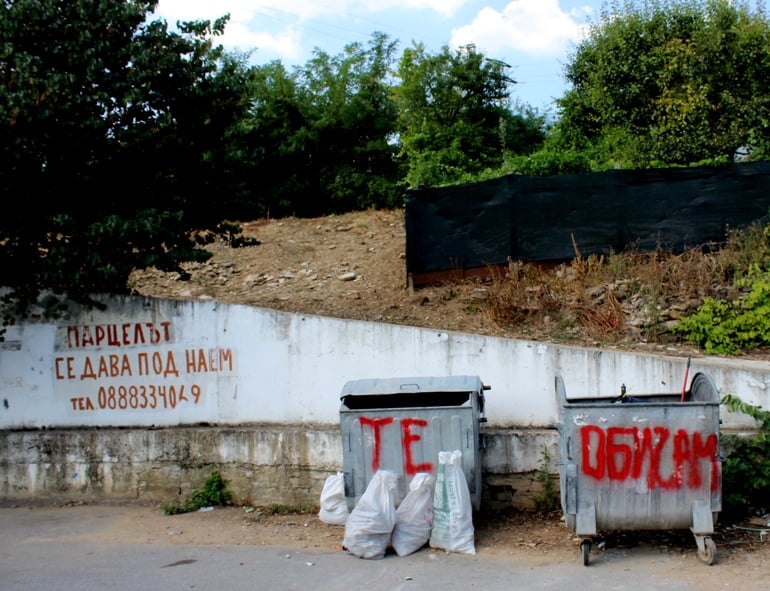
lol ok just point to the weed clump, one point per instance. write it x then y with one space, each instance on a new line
548 500
214 492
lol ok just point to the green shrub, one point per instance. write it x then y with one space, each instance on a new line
724 327
213 493
746 469
549 162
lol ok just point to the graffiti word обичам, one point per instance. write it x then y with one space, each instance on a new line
631 453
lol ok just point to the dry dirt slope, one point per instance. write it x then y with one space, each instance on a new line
346 266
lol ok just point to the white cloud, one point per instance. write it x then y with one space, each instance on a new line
287 43
278 27
445 8
262 25
286 29
282 27
537 27
174 10
256 11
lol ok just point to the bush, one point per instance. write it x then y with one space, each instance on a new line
549 162
213 493
746 469
724 327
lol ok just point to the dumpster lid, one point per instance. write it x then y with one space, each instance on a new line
413 392
379 386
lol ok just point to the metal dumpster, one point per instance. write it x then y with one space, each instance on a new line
641 462
401 424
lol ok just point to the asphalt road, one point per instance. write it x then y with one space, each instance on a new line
43 554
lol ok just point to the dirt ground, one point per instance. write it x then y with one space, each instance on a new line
347 266
743 551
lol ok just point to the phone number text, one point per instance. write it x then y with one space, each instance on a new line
139 397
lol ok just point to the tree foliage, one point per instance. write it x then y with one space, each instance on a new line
455 117
669 82
351 119
126 142
109 131
316 140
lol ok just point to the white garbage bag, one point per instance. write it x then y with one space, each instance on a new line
334 505
452 511
414 516
371 522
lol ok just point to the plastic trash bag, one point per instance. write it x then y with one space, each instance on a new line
414 516
334 505
452 511
371 522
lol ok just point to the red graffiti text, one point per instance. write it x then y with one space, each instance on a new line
631 453
410 434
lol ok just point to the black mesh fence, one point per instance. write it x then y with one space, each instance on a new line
467 229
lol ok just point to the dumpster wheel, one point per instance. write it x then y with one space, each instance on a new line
707 549
585 549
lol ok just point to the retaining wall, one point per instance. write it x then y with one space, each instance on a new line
138 400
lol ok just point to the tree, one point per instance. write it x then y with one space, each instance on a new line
318 138
671 82
271 141
111 129
347 100
455 118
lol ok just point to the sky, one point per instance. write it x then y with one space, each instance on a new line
534 37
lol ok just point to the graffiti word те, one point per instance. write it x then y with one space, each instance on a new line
410 434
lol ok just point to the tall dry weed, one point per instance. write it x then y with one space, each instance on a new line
601 297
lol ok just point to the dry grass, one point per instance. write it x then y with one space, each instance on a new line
629 295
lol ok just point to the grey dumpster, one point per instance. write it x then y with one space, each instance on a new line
641 462
401 424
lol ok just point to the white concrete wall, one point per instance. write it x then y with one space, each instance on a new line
144 362
158 363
